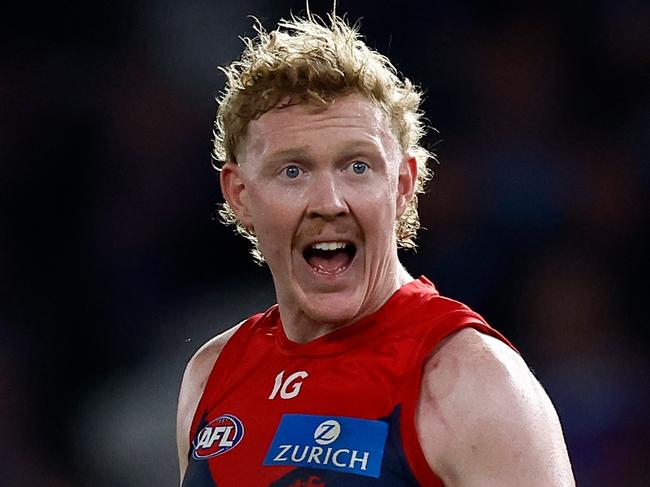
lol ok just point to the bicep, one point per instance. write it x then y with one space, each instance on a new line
516 440
182 433
188 400
486 420
193 384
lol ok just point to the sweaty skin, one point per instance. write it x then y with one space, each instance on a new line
307 175
484 420
310 174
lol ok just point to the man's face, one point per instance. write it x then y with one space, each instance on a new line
321 189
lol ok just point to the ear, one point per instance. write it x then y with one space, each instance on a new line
234 192
408 173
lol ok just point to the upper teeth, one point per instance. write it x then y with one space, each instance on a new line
329 245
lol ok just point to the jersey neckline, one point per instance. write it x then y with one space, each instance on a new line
358 333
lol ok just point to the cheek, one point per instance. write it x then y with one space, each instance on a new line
274 217
376 212
380 196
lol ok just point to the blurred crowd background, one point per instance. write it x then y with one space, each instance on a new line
113 270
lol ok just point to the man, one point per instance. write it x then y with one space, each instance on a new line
360 375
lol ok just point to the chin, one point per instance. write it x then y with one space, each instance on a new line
332 310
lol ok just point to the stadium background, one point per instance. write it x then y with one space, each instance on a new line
112 271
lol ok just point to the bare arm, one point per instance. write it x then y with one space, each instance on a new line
484 420
194 380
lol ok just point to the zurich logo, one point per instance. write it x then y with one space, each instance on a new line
218 437
339 443
327 432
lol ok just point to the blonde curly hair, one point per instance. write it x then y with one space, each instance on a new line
317 61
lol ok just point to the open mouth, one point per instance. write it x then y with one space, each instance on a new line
330 257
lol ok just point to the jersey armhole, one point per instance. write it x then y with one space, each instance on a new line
219 371
443 327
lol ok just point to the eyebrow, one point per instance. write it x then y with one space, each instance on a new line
291 153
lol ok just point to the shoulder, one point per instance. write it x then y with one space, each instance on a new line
482 417
195 378
200 365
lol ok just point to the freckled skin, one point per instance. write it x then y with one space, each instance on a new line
429 405
481 418
484 420
327 201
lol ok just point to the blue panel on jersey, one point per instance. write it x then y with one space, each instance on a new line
336 443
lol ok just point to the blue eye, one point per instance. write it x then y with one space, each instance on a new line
292 172
359 167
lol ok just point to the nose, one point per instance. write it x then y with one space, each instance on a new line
326 198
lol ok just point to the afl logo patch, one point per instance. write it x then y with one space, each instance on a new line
218 437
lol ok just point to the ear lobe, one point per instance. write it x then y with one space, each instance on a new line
234 192
408 173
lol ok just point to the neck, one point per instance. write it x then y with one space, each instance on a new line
302 327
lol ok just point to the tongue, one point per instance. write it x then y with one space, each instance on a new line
337 261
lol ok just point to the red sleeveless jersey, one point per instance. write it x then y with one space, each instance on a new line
337 411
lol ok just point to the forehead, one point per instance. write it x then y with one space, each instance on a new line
352 119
